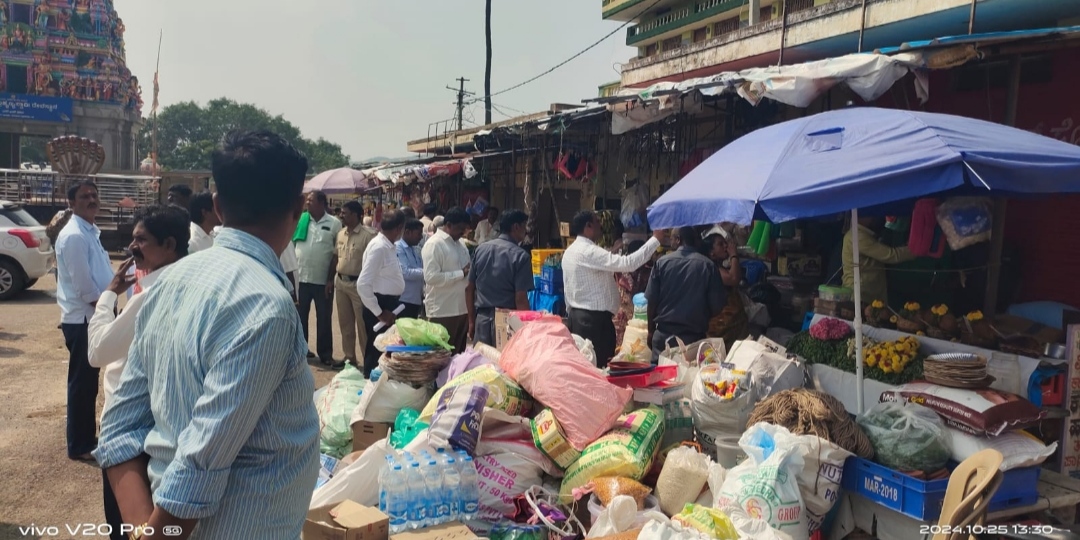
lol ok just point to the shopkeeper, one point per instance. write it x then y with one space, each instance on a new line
873 256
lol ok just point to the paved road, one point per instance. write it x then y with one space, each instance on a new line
39 486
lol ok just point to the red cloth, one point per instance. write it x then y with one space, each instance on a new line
139 274
924 239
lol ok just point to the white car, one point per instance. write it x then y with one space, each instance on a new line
26 253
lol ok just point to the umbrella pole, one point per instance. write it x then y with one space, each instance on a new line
858 310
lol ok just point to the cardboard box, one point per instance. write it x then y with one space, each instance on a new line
797 265
447 531
365 434
346 521
506 323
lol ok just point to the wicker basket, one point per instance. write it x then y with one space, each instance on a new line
909 325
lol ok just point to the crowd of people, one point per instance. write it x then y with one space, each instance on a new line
208 409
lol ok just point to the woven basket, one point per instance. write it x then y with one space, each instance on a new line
415 368
909 326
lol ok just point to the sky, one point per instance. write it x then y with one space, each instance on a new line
369 75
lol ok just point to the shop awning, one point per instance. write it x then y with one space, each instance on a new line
989 38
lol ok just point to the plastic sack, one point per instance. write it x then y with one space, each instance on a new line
707 520
819 479
606 488
417 333
660 527
335 408
720 419
628 450
764 485
684 474
542 357
635 344
466 361
586 348
690 358
503 393
986 411
507 463
384 398
458 417
1018 448
407 427
906 437
619 516
389 337
358 482
966 221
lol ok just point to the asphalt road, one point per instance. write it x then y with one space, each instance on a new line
39 486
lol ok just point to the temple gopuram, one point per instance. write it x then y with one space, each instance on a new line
63 72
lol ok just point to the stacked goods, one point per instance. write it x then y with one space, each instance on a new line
628 451
957 370
809 412
984 412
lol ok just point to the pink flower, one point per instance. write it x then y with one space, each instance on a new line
829 329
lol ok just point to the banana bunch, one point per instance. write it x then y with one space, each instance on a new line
608 218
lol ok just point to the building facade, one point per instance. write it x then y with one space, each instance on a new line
683 39
63 71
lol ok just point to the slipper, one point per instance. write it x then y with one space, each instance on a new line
87 457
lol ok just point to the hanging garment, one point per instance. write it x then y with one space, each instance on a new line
926 238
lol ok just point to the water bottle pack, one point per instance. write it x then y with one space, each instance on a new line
425 490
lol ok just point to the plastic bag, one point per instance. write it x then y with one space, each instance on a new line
606 488
406 428
389 337
335 408
383 399
906 437
507 463
417 333
503 393
628 450
358 482
635 344
458 417
660 527
585 347
619 516
1018 447
764 485
819 479
710 521
466 361
684 475
690 359
634 200
542 357
721 403
966 221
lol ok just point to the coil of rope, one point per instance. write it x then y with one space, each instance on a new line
809 412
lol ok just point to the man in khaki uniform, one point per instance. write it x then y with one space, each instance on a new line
351 243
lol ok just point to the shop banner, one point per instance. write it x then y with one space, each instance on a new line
1071 449
40 108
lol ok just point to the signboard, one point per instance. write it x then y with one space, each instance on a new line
1071 447
39 108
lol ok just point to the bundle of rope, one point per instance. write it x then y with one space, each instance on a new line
809 412
415 368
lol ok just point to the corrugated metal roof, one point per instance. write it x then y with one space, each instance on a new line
989 37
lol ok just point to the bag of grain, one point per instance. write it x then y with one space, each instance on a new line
503 393
628 450
684 475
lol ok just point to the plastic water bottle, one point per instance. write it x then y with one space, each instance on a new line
451 488
418 497
397 498
470 490
384 482
438 506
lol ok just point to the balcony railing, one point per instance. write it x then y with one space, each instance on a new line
679 18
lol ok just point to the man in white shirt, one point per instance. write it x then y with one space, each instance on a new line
381 283
315 251
160 238
485 230
592 296
428 219
203 222
83 272
446 272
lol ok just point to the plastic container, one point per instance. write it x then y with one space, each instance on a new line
652 504
553 288
552 274
540 256
836 294
643 380
922 499
641 307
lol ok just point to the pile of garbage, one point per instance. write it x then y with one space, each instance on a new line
535 441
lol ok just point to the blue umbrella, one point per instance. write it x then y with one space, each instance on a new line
858 158
861 157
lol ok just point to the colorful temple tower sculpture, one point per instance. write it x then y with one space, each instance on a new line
66 48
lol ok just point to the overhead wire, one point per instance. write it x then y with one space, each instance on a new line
572 58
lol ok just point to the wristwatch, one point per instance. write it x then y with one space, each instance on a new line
139 532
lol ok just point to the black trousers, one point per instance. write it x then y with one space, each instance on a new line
112 509
662 339
324 314
82 391
412 311
485 326
371 354
598 327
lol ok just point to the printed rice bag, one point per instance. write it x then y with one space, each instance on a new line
628 450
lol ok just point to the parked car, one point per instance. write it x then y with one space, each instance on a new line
26 253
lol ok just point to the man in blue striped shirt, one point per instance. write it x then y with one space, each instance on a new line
212 429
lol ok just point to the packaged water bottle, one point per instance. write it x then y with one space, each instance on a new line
384 478
418 497
451 488
397 498
470 490
438 506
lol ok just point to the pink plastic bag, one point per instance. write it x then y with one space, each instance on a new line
543 358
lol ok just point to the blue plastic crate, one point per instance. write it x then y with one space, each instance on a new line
921 499
553 288
552 274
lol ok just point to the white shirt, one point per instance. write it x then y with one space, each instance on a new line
444 276
589 273
289 263
199 239
428 228
317 251
485 231
83 270
111 336
380 273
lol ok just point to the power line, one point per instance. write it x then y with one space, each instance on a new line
572 58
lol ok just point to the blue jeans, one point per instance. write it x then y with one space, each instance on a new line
82 390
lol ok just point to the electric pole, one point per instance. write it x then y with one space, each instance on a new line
487 71
461 93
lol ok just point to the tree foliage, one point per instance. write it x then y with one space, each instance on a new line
187 134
